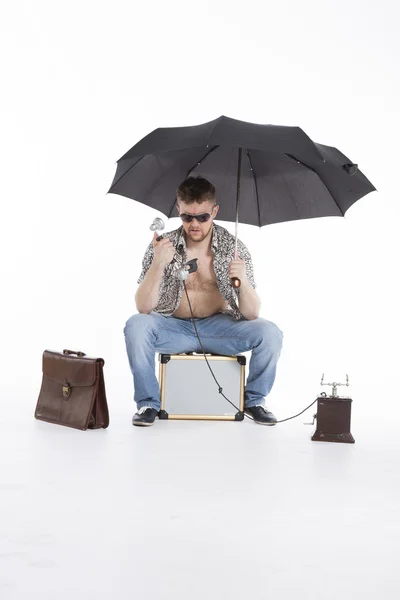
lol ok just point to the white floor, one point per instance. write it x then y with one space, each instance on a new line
197 510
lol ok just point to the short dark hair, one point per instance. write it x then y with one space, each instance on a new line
195 189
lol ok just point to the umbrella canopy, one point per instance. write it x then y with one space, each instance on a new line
283 175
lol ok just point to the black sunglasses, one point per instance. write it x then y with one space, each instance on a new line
201 218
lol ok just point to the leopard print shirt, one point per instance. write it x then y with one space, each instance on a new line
223 248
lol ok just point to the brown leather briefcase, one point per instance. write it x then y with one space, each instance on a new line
73 391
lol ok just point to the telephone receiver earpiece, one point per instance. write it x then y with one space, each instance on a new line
157 224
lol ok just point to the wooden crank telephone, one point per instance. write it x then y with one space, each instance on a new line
333 416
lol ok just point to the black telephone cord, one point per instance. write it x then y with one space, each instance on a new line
220 389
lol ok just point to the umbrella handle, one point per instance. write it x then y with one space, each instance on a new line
235 281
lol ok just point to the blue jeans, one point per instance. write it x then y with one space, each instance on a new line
146 334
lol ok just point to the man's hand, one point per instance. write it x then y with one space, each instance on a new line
163 250
237 268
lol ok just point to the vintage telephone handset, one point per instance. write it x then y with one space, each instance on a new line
190 266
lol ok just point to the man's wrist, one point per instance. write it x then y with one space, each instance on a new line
245 285
159 265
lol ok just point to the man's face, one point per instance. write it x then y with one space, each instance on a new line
196 231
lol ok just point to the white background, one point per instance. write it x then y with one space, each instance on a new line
84 81
196 510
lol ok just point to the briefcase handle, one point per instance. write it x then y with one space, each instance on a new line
78 353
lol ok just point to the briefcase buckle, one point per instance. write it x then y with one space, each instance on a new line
66 391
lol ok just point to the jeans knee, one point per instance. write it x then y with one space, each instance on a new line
138 324
271 335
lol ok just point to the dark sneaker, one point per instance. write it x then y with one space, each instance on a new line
261 415
145 416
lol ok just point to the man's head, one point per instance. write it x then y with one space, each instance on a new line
196 196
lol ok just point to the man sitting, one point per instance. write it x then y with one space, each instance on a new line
226 317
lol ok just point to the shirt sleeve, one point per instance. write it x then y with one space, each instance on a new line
245 255
146 262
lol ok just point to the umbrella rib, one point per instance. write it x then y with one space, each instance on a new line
320 177
187 175
123 175
255 185
201 160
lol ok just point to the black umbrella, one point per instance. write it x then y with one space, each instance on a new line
279 172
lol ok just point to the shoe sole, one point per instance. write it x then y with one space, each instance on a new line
259 422
142 424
